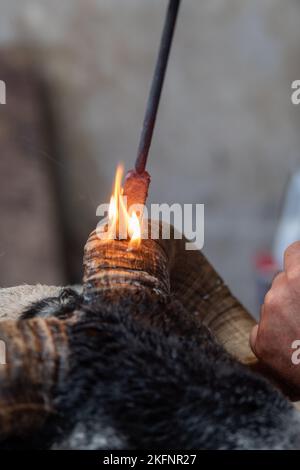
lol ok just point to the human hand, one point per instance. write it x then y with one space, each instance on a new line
276 338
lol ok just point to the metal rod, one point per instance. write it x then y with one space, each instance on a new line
157 85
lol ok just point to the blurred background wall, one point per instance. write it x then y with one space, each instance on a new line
227 134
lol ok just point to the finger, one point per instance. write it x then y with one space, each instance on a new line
292 257
262 310
278 280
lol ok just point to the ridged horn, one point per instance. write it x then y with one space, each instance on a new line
36 353
110 265
165 266
203 293
37 349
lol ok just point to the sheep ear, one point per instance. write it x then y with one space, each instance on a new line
34 363
15 300
62 306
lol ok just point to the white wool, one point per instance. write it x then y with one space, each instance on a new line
14 300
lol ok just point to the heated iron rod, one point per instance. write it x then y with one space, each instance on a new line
157 85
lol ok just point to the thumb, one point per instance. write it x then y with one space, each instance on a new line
253 337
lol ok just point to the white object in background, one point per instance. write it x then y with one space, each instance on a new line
288 230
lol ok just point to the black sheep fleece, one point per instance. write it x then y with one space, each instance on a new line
144 374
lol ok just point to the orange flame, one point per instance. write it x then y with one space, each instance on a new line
134 228
118 215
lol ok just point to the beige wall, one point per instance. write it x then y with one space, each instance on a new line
227 133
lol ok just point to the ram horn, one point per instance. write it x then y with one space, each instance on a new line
111 266
165 266
204 294
36 361
37 350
